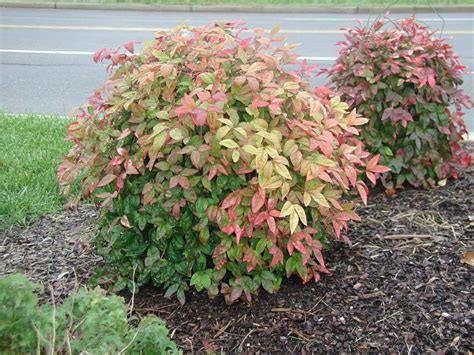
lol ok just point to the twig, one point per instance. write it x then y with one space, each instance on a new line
129 344
409 236
54 320
132 301
243 340
38 335
192 346
390 316
69 350
300 335
223 329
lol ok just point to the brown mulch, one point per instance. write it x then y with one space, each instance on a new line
55 251
401 287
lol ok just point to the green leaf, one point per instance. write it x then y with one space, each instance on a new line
201 280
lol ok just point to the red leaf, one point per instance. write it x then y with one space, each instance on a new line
380 169
372 162
363 191
199 117
250 258
231 200
431 81
271 224
444 130
235 293
129 47
107 179
176 211
174 181
258 200
116 160
228 229
124 134
263 216
371 177
238 233
277 255
220 97
184 182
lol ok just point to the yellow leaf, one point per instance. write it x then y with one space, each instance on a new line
285 188
176 134
287 209
241 131
250 149
275 30
282 170
222 132
229 143
268 170
226 121
274 183
320 199
293 221
291 85
235 156
272 152
261 158
281 160
306 199
301 214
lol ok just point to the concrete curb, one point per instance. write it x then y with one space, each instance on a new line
313 9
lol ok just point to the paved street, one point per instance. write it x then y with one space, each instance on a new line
45 54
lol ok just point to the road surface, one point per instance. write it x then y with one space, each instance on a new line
46 64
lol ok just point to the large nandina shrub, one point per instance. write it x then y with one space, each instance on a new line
406 81
216 166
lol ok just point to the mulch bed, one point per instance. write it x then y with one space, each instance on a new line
401 287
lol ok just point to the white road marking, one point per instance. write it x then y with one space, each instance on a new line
27 51
322 59
307 19
152 29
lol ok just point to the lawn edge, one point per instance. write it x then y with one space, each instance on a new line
313 9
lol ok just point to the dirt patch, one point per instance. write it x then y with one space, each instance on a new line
55 250
401 287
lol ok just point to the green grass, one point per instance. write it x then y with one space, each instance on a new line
31 148
269 2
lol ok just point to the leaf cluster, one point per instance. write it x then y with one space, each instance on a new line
216 166
407 82
87 322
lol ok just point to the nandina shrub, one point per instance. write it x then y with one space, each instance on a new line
406 81
215 166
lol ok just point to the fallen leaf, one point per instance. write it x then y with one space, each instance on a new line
468 258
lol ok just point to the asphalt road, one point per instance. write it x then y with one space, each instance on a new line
46 64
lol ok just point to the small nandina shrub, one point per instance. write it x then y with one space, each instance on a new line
406 81
88 322
215 166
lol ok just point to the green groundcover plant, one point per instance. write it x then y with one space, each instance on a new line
406 81
87 322
214 165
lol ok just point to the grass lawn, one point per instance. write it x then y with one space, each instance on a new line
270 2
31 148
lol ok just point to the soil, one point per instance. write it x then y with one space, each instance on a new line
402 287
